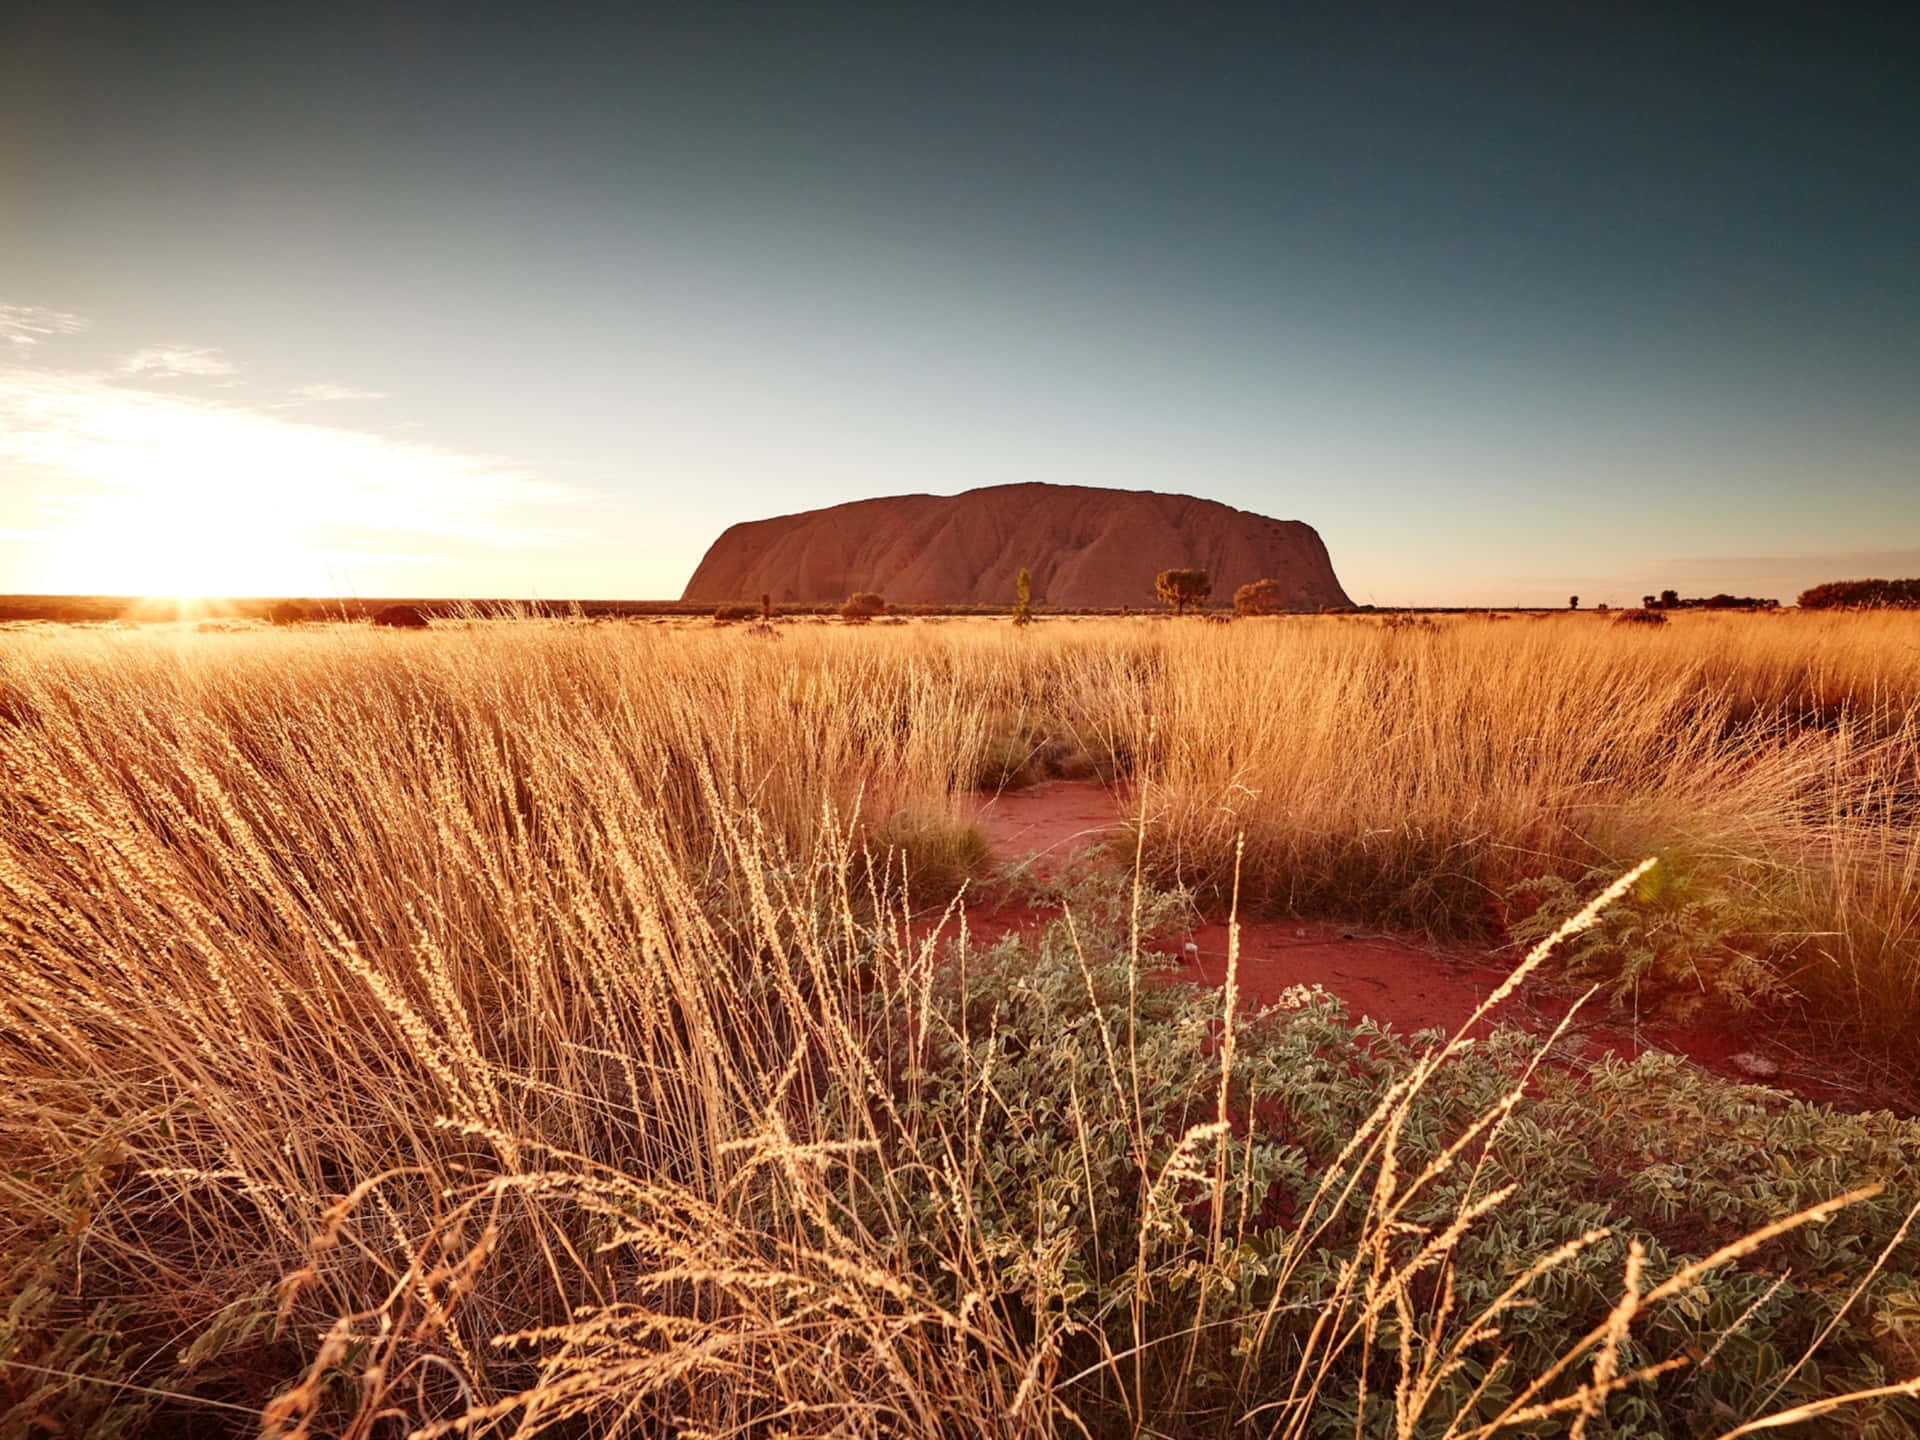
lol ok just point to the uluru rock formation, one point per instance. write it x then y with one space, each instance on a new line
1087 548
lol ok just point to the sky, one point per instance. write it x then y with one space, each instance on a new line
464 300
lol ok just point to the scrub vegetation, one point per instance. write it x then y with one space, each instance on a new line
532 1026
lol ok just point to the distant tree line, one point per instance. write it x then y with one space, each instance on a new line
1672 600
1862 594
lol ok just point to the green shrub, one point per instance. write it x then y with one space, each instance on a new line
1091 1188
1680 935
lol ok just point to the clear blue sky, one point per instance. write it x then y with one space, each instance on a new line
445 299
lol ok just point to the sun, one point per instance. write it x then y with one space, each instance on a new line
137 493
166 496
181 548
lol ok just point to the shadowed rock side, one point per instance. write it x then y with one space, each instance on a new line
1086 547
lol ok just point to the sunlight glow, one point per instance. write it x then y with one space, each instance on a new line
181 546
157 494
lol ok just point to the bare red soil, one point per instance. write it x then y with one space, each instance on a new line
1050 824
1386 978
1402 982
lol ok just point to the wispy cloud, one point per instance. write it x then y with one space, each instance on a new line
325 391
165 360
24 326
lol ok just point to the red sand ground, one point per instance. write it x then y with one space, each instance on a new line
1050 823
1396 980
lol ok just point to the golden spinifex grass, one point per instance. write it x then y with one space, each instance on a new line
1424 776
501 1029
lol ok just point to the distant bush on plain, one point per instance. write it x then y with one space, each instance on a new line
401 617
1862 595
1259 597
863 605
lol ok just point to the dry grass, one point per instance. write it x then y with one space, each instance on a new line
503 1029
1421 776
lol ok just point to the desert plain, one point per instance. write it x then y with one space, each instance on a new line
1342 1024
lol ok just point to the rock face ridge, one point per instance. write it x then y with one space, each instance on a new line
1086 547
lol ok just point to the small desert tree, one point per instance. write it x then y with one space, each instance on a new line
862 605
1259 597
1023 598
1573 602
1181 588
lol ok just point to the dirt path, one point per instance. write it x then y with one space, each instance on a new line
1395 980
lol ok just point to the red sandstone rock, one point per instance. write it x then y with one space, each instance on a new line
1087 548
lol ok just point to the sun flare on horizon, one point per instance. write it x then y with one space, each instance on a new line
141 493
181 551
